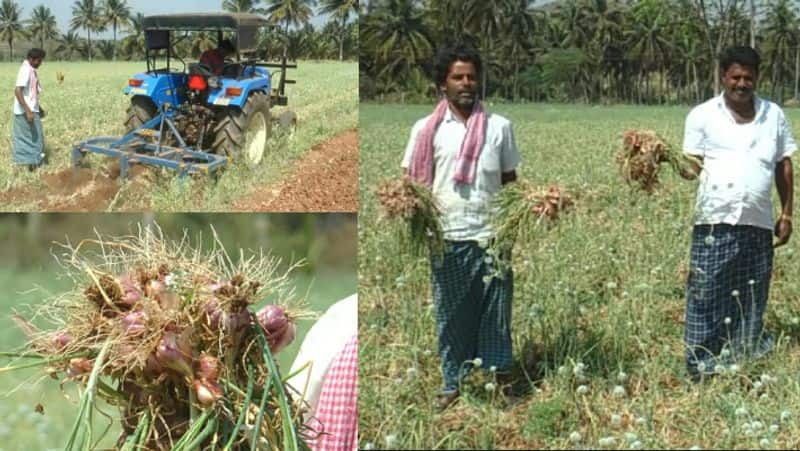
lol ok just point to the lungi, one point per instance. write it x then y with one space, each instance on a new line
727 292
473 311
27 140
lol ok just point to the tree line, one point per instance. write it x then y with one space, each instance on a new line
337 39
635 51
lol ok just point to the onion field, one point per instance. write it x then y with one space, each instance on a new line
598 308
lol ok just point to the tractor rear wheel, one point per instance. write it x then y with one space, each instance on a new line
243 133
141 110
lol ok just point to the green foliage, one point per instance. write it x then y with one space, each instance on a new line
549 419
640 51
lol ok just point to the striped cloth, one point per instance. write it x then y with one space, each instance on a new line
337 410
727 295
421 168
473 317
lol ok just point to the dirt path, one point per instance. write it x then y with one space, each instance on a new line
324 180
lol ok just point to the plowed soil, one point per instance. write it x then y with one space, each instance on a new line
325 179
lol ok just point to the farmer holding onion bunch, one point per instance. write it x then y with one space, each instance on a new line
744 143
465 155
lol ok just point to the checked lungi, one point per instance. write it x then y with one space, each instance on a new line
727 292
473 310
27 140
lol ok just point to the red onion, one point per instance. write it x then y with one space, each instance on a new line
213 313
60 339
207 392
279 341
134 322
130 290
173 354
273 319
79 366
233 322
207 367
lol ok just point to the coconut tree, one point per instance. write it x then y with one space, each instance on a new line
10 24
781 39
87 15
242 6
397 39
340 10
115 12
290 12
42 24
68 44
132 46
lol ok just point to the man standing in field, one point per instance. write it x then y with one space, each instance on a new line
465 155
743 142
27 137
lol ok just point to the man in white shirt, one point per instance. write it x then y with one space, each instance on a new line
27 136
744 143
465 155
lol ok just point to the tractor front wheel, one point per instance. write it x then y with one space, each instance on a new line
141 110
243 133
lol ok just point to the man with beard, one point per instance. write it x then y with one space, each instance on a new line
465 155
743 143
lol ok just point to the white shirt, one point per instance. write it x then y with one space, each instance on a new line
323 342
24 80
738 161
466 209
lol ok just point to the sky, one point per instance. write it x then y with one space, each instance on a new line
62 9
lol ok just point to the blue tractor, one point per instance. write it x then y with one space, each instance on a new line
185 117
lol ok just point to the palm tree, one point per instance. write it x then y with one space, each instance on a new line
42 24
242 6
340 9
132 46
116 12
68 45
85 14
290 12
397 39
781 37
10 24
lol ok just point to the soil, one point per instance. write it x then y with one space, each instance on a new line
82 190
324 180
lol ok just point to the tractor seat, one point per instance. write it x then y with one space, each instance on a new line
200 69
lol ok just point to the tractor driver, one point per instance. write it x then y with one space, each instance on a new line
215 58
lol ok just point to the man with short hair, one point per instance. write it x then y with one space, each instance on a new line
215 58
743 142
465 155
27 136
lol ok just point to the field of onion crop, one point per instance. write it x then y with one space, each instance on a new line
90 103
597 312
